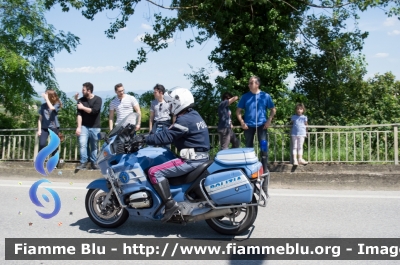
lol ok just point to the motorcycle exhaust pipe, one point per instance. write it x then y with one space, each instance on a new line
209 215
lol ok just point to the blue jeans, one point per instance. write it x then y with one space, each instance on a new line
88 134
251 131
43 139
157 129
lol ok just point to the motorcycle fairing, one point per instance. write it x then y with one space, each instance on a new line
100 183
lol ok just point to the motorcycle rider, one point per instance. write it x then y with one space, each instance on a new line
190 136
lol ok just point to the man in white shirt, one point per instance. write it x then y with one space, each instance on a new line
124 105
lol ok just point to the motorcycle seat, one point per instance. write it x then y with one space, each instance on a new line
191 176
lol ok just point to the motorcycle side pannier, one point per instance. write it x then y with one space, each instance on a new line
229 187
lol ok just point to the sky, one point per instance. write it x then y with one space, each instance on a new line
100 60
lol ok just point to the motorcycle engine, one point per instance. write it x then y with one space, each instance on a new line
140 199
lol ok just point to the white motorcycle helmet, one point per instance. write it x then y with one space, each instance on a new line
180 99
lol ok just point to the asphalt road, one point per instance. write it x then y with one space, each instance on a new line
289 214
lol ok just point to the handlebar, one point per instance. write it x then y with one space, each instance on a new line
127 141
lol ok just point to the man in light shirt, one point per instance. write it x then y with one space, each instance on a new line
159 110
124 105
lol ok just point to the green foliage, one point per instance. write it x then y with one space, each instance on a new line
353 145
105 112
67 114
146 98
260 38
327 76
145 117
26 119
27 44
206 97
376 101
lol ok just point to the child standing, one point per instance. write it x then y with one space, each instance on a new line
299 133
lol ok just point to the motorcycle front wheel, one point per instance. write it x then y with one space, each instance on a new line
113 215
235 223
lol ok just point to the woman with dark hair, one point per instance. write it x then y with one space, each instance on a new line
48 117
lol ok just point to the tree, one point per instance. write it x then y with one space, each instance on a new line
145 99
67 114
377 101
328 75
258 37
27 44
206 96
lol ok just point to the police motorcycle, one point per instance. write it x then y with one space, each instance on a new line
225 191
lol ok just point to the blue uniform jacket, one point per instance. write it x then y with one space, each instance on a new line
188 131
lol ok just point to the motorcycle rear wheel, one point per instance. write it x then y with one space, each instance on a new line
236 223
112 216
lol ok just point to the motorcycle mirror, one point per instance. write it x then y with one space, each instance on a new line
101 136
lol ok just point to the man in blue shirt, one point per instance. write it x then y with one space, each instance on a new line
255 104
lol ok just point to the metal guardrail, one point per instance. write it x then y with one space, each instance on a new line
324 144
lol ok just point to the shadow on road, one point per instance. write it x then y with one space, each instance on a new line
140 227
198 231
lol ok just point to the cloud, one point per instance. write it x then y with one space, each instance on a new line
390 21
89 69
145 26
123 29
381 55
394 32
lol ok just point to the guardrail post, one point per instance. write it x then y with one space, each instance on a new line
396 145
36 148
290 150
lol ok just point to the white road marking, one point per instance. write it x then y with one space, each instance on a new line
336 196
43 186
272 194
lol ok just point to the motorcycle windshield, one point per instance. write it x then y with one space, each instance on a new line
130 119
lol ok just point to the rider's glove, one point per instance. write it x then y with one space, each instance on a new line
140 138
144 136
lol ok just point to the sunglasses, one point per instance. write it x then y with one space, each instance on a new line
160 107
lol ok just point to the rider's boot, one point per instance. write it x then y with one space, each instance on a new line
171 206
264 162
